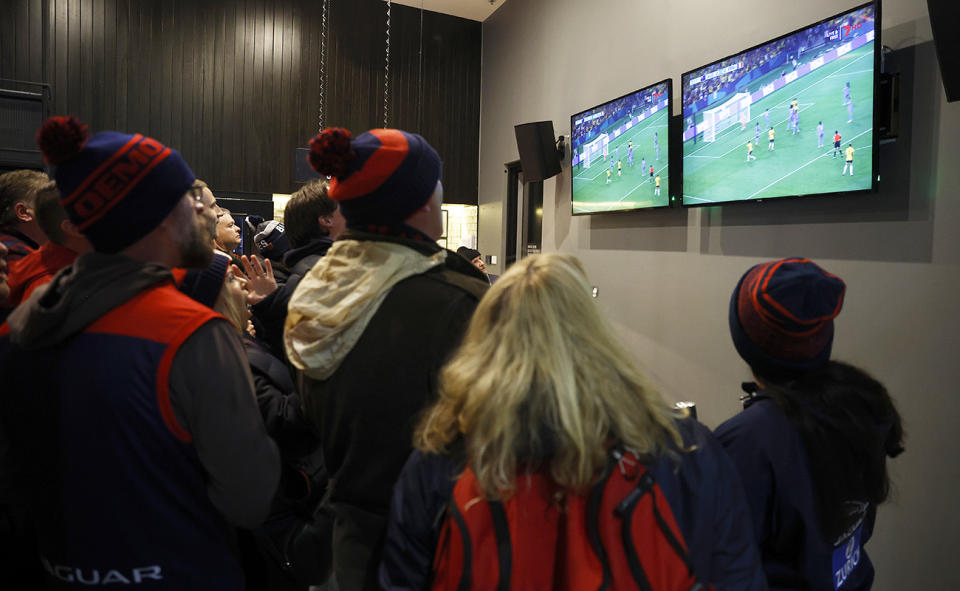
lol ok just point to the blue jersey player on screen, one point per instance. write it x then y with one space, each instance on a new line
630 155
820 134
656 144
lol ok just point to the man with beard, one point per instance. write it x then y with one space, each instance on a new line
128 413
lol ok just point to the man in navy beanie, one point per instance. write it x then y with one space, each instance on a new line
128 413
371 323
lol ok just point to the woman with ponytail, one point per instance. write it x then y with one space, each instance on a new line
812 441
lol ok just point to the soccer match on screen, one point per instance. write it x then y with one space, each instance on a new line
792 117
619 153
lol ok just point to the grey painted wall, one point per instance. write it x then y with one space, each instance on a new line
665 276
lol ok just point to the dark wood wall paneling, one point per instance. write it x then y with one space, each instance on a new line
234 84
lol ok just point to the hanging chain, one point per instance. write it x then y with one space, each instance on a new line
420 76
386 75
322 111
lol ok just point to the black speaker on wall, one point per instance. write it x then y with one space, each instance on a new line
538 150
944 17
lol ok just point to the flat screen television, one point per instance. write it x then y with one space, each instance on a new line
792 117
619 153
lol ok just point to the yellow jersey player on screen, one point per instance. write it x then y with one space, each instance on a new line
630 145
849 152
750 155
795 104
608 176
770 134
656 186
619 167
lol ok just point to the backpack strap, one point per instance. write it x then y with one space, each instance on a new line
593 524
647 482
466 573
501 528
625 510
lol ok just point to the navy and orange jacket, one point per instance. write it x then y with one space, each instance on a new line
772 461
36 269
119 491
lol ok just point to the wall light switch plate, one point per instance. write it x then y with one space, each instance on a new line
596 291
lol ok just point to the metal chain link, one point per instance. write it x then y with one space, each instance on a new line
420 76
322 111
386 74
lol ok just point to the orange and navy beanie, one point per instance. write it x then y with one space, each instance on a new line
116 188
379 178
204 285
781 316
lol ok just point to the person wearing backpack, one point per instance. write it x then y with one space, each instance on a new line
549 462
812 441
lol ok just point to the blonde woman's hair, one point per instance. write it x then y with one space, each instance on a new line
232 307
541 382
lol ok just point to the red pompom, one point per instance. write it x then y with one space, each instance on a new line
61 138
330 152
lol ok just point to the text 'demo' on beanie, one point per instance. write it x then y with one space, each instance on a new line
116 188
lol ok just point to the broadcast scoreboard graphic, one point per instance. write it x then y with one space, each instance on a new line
619 153
792 117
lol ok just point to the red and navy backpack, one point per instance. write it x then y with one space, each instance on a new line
621 535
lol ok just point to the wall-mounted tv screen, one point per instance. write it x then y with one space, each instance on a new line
619 153
791 117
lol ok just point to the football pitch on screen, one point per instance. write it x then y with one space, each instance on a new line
634 187
720 171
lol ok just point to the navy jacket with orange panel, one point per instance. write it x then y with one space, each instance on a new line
118 488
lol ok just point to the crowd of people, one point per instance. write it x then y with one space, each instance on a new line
359 408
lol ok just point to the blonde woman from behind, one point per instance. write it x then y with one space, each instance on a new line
543 420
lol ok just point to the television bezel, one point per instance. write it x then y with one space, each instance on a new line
875 157
670 139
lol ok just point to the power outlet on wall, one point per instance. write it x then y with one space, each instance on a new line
596 292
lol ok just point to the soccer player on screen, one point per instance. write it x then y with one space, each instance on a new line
643 164
770 135
656 144
656 187
756 134
849 161
846 94
611 164
836 143
750 155
849 151
651 171
609 172
820 135
630 155
619 168
766 118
